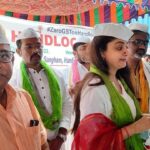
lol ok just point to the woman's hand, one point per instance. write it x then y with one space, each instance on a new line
141 125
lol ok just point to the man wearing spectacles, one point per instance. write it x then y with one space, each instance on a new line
140 73
6 55
46 87
20 126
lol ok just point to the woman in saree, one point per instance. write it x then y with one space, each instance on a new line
107 114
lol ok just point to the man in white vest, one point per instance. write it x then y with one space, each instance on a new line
45 86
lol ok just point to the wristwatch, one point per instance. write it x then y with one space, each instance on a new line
62 136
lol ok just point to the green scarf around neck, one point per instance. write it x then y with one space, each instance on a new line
50 121
121 114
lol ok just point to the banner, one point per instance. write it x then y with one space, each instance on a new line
57 39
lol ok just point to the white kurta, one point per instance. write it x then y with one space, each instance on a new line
82 70
96 99
41 82
69 74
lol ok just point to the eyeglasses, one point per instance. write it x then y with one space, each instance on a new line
33 46
6 56
139 42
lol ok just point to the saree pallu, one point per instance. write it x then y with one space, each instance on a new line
97 132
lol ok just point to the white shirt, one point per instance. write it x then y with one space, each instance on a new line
41 82
82 72
96 99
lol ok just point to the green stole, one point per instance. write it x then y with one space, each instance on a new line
50 121
121 114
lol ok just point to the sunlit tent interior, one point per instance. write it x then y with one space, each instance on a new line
57 49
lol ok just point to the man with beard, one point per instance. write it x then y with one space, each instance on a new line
20 125
81 64
46 88
140 76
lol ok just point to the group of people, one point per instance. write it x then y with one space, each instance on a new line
112 102
109 88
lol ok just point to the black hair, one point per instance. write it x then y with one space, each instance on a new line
18 43
75 46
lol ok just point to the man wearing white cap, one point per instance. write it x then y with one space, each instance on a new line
81 64
46 88
77 72
20 124
140 76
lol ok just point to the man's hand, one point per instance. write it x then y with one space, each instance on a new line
55 144
45 146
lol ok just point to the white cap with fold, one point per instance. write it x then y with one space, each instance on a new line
82 39
28 33
113 29
139 27
3 37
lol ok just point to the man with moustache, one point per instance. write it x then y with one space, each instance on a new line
20 124
140 76
45 86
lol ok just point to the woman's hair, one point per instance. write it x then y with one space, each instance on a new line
76 45
98 46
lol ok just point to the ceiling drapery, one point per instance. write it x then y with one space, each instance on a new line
75 12
135 2
47 7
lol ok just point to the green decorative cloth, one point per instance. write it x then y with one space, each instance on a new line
121 114
50 121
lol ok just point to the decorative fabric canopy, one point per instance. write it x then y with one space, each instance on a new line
47 7
144 20
76 12
136 2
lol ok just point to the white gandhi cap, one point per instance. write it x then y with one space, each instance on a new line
3 37
139 27
118 31
82 39
28 33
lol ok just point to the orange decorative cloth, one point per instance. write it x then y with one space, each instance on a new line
141 88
